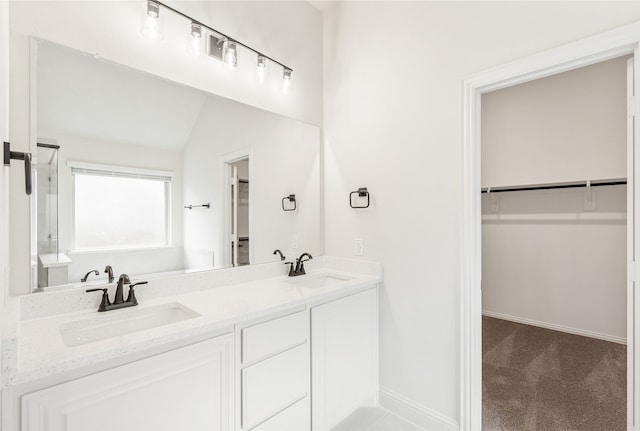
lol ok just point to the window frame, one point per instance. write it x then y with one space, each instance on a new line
87 168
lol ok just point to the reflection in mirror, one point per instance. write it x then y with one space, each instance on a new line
151 177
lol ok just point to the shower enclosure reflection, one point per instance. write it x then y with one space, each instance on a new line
51 263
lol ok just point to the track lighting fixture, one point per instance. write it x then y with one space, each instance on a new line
231 54
262 67
197 39
151 21
221 46
286 76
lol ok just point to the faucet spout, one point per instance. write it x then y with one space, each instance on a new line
276 251
94 271
108 270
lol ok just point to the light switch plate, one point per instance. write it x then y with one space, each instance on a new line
358 247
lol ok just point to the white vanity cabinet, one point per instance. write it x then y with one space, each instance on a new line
302 368
184 389
274 374
344 345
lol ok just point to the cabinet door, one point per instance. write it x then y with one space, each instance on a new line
272 385
184 389
344 346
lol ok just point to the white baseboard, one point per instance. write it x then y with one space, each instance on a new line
420 415
567 329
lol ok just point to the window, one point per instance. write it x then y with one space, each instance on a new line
120 207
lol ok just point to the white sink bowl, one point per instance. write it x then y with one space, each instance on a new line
116 323
315 281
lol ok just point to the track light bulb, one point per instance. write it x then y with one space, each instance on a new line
196 42
231 54
286 78
151 26
262 67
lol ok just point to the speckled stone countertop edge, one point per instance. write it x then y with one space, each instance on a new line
363 274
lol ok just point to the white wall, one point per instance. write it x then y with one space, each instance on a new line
285 159
4 136
84 149
548 262
393 116
4 172
545 259
566 127
288 31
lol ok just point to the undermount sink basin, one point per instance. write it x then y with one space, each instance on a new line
318 280
122 322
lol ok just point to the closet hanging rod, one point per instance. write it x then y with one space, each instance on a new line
554 186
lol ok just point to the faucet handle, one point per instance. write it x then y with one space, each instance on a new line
301 270
291 270
105 298
132 294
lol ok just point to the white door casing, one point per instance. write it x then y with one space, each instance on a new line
4 171
632 242
621 41
229 214
234 215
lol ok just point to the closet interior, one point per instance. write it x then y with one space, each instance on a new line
554 251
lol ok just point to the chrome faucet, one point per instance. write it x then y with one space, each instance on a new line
118 300
94 271
299 268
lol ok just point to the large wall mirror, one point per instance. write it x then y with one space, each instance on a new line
150 177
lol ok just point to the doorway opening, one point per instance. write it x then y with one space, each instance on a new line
237 238
596 49
554 251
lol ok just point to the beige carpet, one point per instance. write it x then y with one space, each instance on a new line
538 379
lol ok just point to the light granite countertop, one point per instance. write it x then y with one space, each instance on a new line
33 346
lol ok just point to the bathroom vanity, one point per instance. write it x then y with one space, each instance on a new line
237 349
244 348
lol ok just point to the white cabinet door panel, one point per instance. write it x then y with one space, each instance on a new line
184 389
344 344
273 384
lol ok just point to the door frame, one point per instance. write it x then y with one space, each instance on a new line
225 205
615 43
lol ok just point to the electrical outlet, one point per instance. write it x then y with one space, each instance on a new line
358 247
295 242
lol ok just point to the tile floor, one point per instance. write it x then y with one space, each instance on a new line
375 419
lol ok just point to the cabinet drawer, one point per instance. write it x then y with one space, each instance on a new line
274 336
273 384
293 418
